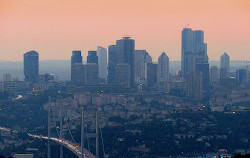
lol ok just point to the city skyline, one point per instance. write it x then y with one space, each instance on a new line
54 32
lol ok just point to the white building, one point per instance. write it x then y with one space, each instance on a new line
102 62
163 68
142 58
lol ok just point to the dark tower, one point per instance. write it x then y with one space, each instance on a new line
31 66
125 50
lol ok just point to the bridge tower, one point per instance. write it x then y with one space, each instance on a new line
61 129
97 135
82 135
49 122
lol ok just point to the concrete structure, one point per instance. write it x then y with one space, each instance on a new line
214 74
142 58
163 72
111 64
225 63
92 57
78 74
151 74
125 50
31 66
194 85
6 77
203 69
91 74
122 75
102 62
76 58
189 63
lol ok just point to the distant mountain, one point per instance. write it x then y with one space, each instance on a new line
61 68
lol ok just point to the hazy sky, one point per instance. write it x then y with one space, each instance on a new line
56 27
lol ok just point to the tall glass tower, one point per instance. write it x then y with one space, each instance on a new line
31 66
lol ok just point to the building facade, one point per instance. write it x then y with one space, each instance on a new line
31 66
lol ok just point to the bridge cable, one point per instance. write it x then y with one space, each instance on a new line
87 137
55 124
102 142
70 133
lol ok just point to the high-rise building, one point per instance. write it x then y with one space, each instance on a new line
163 72
187 44
203 69
141 59
78 74
111 64
122 75
241 75
151 74
193 41
91 74
189 63
6 77
31 66
76 58
225 63
214 74
92 57
102 62
125 50
194 85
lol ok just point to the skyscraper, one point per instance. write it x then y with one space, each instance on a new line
91 74
188 62
151 74
31 66
194 85
193 41
187 44
111 64
122 75
102 62
78 74
214 74
163 69
225 63
141 59
76 58
125 50
92 57
203 69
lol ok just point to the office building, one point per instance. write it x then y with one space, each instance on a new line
78 74
92 57
122 75
91 74
163 68
189 63
76 58
31 66
203 69
142 58
111 64
6 77
241 75
151 74
125 50
194 85
214 74
102 62
193 42
225 63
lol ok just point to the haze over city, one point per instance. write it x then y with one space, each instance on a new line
56 27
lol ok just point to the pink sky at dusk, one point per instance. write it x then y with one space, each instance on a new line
56 27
